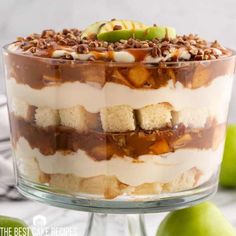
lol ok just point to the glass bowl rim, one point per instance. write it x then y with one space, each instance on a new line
5 49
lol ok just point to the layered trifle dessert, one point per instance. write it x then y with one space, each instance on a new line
118 109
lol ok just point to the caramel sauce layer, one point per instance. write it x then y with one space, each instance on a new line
102 146
40 72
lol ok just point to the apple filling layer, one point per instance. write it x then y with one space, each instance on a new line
140 76
102 146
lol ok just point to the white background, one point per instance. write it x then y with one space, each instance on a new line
211 19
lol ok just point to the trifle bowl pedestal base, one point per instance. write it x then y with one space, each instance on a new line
101 224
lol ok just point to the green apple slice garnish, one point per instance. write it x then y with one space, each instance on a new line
92 30
115 36
150 33
159 32
114 31
170 33
123 24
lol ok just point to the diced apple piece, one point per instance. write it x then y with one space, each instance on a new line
138 75
151 83
171 74
200 77
160 147
119 78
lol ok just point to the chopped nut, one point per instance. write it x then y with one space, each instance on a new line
155 51
197 48
145 45
82 48
47 33
65 31
198 57
117 27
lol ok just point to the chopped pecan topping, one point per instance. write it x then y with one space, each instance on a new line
117 27
194 47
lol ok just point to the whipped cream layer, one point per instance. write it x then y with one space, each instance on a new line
147 169
124 56
214 97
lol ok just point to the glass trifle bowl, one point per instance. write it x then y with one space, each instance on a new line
117 127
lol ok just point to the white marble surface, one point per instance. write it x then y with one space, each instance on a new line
56 217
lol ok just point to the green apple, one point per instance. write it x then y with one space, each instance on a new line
150 33
92 30
130 25
115 36
159 32
114 31
228 168
204 219
13 226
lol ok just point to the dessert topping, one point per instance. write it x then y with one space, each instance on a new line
103 37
